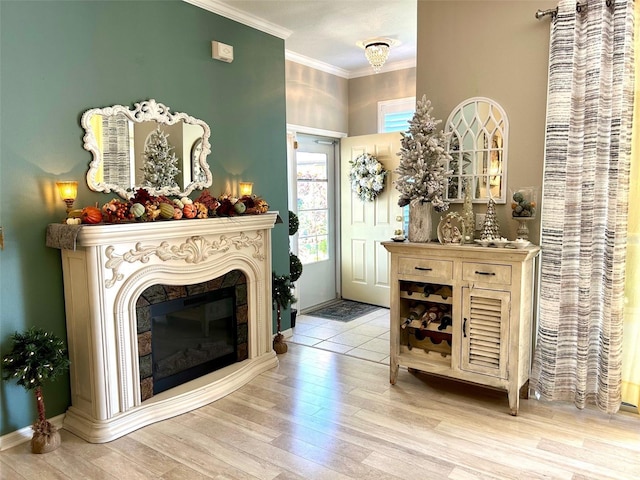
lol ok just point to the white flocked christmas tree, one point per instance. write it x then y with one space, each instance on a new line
423 159
160 163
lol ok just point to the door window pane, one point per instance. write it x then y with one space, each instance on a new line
311 166
313 249
312 195
313 201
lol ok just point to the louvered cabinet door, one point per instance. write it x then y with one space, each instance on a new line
485 331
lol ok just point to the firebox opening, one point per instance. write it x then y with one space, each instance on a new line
192 336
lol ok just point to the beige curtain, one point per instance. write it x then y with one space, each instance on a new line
631 326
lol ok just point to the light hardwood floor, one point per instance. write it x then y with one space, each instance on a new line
324 415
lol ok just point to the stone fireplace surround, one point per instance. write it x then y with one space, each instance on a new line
104 277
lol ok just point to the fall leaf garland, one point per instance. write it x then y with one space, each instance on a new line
144 207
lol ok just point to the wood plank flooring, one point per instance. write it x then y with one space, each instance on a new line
322 415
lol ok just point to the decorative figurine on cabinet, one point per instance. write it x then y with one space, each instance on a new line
451 229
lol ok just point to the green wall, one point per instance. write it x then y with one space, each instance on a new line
61 58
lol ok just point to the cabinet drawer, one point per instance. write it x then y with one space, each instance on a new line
486 273
425 267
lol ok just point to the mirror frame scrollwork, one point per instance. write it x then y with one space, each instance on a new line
144 111
479 119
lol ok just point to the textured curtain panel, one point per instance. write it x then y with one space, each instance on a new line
585 204
631 328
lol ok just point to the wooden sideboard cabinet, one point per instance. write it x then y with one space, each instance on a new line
463 312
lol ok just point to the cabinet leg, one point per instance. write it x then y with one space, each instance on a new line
514 400
393 372
524 390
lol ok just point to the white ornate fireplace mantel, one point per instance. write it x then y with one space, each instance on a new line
103 278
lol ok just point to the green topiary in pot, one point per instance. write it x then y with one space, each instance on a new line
37 356
295 265
282 295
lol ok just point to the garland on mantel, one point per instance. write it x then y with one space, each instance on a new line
144 207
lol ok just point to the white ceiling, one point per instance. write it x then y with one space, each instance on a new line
324 33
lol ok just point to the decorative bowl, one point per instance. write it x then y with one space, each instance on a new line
399 238
500 242
520 243
483 242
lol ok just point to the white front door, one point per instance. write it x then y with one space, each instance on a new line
364 225
315 207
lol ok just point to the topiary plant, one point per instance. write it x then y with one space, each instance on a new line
282 298
37 356
295 265
282 288
294 223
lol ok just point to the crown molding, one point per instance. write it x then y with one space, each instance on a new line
388 67
239 16
317 64
347 74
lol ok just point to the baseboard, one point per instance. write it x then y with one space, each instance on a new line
288 333
627 407
319 306
24 434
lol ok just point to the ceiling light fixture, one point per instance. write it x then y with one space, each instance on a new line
377 51
377 54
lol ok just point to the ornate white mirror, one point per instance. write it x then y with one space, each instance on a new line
147 146
478 132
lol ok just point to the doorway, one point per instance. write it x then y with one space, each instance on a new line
313 185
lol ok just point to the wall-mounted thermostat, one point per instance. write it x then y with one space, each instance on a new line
222 51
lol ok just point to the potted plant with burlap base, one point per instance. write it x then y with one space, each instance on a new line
37 356
282 294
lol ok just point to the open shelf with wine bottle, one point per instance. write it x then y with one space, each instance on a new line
427 312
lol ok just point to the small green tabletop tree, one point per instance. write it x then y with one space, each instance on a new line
37 356
282 295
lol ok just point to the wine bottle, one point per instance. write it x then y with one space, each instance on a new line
414 313
445 322
445 292
429 289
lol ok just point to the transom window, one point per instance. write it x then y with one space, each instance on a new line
394 115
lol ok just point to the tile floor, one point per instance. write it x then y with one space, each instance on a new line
365 337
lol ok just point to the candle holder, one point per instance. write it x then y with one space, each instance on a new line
68 191
246 188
